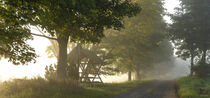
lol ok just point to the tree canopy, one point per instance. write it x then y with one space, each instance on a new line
190 30
13 37
141 44
79 20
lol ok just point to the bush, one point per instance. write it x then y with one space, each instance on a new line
202 70
50 72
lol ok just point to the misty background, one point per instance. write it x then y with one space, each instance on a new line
178 67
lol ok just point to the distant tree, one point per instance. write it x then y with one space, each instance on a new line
79 20
138 46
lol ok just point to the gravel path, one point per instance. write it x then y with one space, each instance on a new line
154 89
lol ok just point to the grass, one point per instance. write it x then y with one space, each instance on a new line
40 88
192 87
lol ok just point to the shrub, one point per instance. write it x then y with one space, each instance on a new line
202 70
50 72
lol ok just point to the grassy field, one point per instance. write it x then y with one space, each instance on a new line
40 88
192 87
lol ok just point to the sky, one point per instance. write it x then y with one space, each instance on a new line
170 5
9 71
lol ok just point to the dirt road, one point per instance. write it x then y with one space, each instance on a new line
154 89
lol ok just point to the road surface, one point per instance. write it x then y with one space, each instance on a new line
154 89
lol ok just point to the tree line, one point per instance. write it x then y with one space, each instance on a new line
137 48
108 27
63 20
190 34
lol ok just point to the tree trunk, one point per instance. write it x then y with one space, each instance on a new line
192 63
138 77
62 57
129 76
74 72
202 69
203 59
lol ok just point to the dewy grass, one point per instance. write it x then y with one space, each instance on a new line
40 88
192 87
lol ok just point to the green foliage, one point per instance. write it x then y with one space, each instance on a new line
107 57
190 30
13 37
202 70
191 87
50 72
82 20
79 20
40 88
142 42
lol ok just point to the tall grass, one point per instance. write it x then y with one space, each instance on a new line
192 87
37 88
41 88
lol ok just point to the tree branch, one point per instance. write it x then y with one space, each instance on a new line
44 36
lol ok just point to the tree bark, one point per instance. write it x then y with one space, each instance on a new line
192 63
62 57
203 68
129 76
203 59
138 77
74 72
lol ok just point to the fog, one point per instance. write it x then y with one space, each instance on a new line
181 68
10 71
171 70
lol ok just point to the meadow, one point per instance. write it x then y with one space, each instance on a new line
41 88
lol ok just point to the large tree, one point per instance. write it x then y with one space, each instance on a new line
79 20
139 45
183 36
190 30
